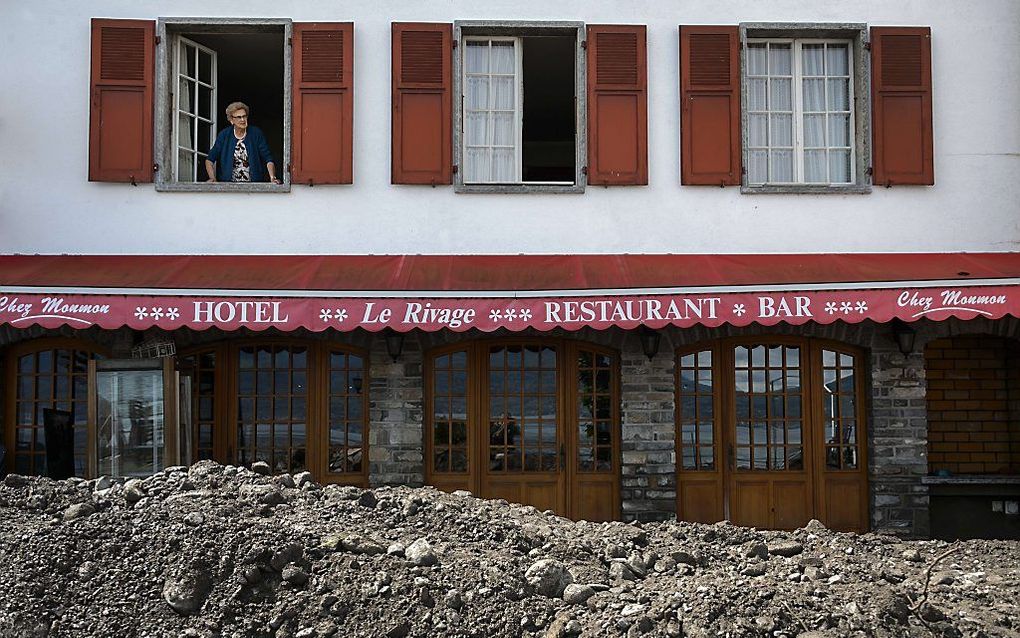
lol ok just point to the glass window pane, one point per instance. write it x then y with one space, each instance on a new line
781 165
814 131
813 58
756 94
837 59
780 59
781 94
756 61
839 130
476 56
816 166
839 95
814 94
839 166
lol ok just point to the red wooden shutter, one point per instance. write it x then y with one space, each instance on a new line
710 105
422 103
617 105
322 149
120 113
901 105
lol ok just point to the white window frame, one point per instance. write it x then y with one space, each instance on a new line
199 157
165 146
797 80
489 29
518 107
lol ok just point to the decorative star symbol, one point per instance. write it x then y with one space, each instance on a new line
325 314
341 315
157 313
141 313
845 307
510 314
830 307
495 315
739 309
861 307
525 314
172 313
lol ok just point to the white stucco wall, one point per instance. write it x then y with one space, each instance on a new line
48 206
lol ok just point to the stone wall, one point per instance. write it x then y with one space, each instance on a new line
396 443
647 411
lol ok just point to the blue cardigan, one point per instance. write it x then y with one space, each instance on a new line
222 154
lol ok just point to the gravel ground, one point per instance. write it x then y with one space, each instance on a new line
220 551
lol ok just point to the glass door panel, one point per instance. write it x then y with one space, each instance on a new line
272 383
523 409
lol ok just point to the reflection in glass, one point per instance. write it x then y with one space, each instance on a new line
130 418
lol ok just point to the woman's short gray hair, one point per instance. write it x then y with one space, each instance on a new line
237 106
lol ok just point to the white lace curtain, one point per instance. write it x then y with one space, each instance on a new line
490 111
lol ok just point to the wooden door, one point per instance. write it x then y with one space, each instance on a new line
534 421
771 432
770 481
593 442
525 442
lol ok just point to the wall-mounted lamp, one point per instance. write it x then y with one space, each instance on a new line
903 335
649 341
394 343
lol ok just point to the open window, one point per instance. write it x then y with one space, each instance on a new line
206 65
543 107
521 123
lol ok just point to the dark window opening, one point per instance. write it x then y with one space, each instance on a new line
549 135
249 68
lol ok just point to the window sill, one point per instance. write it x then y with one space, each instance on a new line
221 187
806 189
519 188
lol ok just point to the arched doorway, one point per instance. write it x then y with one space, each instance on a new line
771 433
530 420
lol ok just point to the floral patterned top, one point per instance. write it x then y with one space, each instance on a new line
241 172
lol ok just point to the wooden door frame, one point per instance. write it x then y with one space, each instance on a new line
477 351
722 350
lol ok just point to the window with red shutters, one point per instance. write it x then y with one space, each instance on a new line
710 105
422 102
121 104
902 105
617 105
323 103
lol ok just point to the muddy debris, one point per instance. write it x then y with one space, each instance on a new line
219 551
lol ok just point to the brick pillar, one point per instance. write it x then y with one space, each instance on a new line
648 489
395 415
898 442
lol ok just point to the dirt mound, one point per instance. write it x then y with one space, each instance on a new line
217 550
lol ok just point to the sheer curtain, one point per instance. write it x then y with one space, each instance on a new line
490 111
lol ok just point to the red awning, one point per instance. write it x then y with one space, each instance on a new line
488 292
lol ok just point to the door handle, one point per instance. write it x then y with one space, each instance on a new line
563 457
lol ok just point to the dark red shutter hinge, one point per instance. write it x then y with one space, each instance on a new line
584 44
288 168
158 39
155 168
584 171
454 44
454 169
290 42
870 171
867 46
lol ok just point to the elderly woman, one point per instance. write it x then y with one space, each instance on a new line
240 153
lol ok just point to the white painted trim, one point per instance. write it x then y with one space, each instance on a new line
516 294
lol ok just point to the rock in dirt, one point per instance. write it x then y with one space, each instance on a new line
79 510
548 577
186 589
420 553
577 594
787 548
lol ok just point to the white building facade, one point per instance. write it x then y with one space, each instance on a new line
708 260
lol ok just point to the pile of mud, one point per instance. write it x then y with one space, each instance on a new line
221 551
